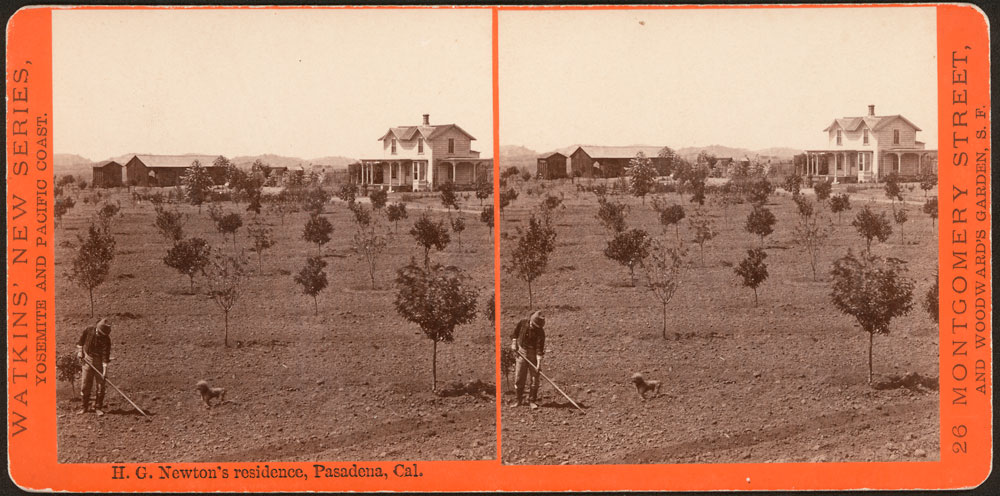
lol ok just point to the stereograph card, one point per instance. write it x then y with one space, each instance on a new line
499 248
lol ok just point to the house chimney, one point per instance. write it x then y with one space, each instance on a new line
427 119
871 110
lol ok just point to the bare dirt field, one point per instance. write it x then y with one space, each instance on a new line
785 381
351 383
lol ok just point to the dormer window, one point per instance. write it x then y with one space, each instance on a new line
393 145
866 136
420 145
895 136
451 145
840 137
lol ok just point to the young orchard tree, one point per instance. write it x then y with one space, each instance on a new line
530 256
215 212
369 246
170 224
93 260
899 215
378 198
792 183
395 213
226 275
430 234
486 217
506 198
438 299
611 214
839 204
348 193
314 201
931 209
811 234
873 290
823 189
928 181
932 299
672 215
457 226
760 222
107 213
703 231
804 206
317 231
642 175
664 270
549 206
62 205
448 198
362 217
68 369
484 189
629 248
262 240
753 270
728 197
189 257
197 184
872 226
758 191
312 278
229 224
892 189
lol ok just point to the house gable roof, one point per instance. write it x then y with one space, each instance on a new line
550 155
406 133
874 122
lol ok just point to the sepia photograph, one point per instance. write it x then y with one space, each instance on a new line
718 235
273 235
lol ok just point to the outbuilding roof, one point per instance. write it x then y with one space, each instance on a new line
598 152
165 161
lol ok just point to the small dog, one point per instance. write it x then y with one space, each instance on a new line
642 386
209 392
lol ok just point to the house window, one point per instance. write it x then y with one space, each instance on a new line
861 162
866 136
394 146
840 138
420 145
895 136
451 145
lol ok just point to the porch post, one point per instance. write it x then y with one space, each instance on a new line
838 166
454 172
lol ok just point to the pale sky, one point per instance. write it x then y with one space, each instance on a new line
298 82
753 78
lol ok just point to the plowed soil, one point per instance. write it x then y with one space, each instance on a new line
783 381
351 383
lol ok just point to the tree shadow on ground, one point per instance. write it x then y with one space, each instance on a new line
477 388
912 381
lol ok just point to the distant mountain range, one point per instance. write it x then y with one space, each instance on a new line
68 163
519 156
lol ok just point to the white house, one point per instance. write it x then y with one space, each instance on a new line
422 158
868 148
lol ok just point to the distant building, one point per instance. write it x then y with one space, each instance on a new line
108 175
423 157
551 166
869 148
610 161
167 170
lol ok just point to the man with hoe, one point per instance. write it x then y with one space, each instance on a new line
94 348
528 343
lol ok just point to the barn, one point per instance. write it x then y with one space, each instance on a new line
167 170
551 166
610 161
108 175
